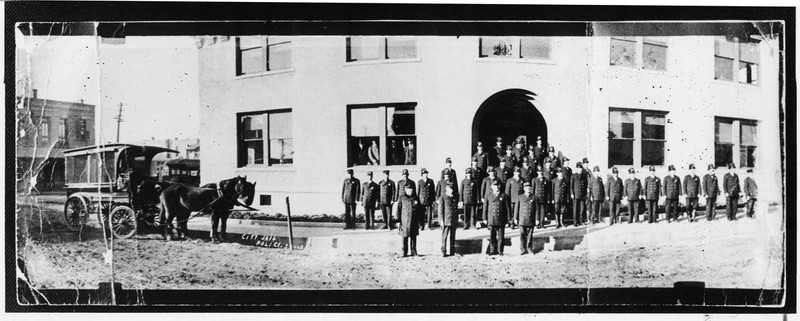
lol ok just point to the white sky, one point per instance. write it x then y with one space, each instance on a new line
154 77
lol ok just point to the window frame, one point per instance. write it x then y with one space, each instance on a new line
736 133
736 60
264 47
638 55
383 137
265 139
638 116
44 130
83 131
384 55
516 53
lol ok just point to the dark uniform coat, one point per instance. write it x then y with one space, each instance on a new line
538 153
596 189
398 155
525 210
541 189
486 187
351 190
633 189
560 190
672 187
503 174
554 161
652 188
514 188
469 191
497 209
750 188
401 189
710 185
370 194
615 189
498 153
482 160
449 203
731 184
427 191
452 173
388 192
579 185
407 214
526 174
691 186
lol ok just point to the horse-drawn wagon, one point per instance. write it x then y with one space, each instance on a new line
113 181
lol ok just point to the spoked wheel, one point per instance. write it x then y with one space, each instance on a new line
122 221
76 212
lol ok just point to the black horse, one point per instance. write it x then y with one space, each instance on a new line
222 209
178 201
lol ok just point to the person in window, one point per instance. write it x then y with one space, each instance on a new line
732 190
398 154
750 192
363 153
374 154
411 153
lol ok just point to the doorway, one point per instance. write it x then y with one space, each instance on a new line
508 114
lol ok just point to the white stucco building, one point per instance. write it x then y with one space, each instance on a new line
289 112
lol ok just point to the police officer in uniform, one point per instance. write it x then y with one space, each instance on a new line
614 191
691 186
447 196
552 159
427 197
526 173
579 190
560 192
401 185
750 192
525 217
633 192
477 172
539 151
486 187
672 189
597 195
710 192
513 188
407 218
510 159
541 192
498 152
496 213
518 151
532 156
388 193
504 172
732 190
482 161
448 167
369 199
351 193
652 191
469 198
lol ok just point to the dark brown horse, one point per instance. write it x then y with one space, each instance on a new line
222 209
178 201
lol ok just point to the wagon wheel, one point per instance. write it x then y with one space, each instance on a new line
76 212
123 221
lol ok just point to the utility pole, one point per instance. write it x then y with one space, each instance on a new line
119 120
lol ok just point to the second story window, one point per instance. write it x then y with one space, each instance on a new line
367 48
514 47
261 54
82 134
736 60
44 130
625 53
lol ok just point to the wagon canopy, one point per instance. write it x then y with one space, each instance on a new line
100 164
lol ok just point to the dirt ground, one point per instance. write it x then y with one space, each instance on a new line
743 254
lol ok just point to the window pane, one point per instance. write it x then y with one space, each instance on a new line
620 124
723 154
77 169
747 156
253 127
253 61
364 150
652 152
280 125
250 42
255 152
620 152
748 51
748 73
108 168
622 52
723 68
281 151
748 135
724 132
366 48
654 57
653 127
724 47
280 56
497 47
401 47
365 122
400 121
535 47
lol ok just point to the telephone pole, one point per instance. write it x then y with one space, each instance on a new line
119 120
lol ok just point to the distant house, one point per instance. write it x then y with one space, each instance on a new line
45 128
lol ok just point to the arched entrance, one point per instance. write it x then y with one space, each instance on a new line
508 114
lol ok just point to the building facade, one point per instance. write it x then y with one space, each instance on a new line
292 113
45 128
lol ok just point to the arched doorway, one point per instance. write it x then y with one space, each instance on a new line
508 114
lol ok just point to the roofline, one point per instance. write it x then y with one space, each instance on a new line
110 146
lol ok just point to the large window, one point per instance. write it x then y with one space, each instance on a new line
514 47
265 138
732 136
624 53
380 48
736 60
260 54
373 126
44 130
636 137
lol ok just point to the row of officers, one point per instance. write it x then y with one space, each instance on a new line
524 200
